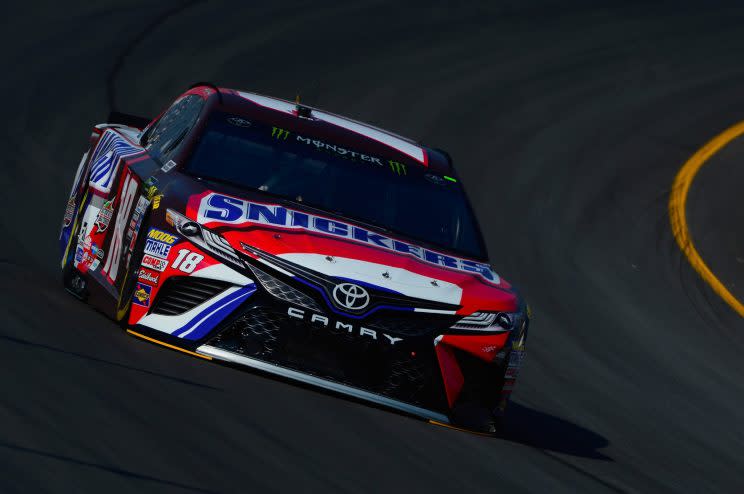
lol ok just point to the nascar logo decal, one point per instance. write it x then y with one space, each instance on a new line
234 211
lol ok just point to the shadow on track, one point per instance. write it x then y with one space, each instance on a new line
547 432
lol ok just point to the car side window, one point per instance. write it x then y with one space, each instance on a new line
173 127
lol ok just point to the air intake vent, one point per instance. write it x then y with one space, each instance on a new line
182 293
282 291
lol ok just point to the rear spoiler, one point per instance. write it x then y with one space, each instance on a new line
116 117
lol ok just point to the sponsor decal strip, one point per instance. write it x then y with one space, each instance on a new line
282 135
219 208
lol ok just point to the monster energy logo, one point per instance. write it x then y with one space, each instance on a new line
282 135
397 167
278 133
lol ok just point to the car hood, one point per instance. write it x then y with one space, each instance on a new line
349 251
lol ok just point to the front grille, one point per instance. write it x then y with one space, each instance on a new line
407 371
283 291
255 333
182 293
418 325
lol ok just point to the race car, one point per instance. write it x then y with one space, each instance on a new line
257 231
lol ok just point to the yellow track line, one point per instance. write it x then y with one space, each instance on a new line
167 344
448 426
678 218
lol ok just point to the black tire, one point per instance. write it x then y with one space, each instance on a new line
74 281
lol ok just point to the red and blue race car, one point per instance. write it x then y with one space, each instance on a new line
253 230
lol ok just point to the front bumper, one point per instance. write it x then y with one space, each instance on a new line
236 358
405 360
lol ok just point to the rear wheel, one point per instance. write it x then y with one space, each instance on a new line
74 281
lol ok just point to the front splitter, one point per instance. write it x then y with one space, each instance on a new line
224 355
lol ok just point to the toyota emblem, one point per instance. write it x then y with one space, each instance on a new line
351 296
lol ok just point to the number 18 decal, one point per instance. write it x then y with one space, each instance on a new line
187 261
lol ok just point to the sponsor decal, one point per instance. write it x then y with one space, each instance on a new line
136 221
145 275
129 190
234 211
239 122
162 236
154 263
283 135
278 133
94 265
69 211
141 205
141 294
397 167
320 320
104 215
150 188
96 251
156 201
168 166
157 249
339 150
81 237
79 254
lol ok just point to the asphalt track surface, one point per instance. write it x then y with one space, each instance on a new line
568 122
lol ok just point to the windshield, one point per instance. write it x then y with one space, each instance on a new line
403 198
